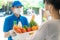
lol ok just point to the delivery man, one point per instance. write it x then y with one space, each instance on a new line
9 21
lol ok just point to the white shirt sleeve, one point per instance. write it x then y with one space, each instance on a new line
49 31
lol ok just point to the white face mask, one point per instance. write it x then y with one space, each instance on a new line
49 17
18 11
48 13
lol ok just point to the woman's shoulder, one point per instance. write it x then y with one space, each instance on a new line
51 23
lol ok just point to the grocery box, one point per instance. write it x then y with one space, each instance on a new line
25 36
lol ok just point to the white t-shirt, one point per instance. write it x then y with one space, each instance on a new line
49 31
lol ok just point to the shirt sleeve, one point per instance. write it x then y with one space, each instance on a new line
41 33
6 25
26 22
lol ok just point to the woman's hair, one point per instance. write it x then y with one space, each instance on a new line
55 3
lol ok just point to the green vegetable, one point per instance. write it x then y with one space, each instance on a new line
26 27
32 23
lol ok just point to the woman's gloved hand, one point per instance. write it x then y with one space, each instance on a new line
12 33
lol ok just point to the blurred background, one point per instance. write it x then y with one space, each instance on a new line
35 7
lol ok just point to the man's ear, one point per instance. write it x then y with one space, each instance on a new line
12 8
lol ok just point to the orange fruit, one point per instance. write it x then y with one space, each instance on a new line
23 30
17 29
34 28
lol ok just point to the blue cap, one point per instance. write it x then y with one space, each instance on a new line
16 4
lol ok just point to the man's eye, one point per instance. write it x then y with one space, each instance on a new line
18 7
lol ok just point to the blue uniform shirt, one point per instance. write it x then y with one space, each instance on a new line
9 22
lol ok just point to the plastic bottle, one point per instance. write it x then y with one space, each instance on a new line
20 24
15 24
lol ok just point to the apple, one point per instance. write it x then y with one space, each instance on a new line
23 30
29 29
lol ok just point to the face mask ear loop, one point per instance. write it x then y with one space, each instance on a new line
59 11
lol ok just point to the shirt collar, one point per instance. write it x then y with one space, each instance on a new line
15 16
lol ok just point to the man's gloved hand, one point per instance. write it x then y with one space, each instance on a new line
12 33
